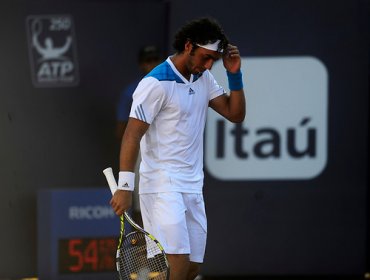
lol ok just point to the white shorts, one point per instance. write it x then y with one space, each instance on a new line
178 221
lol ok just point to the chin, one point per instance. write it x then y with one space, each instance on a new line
197 72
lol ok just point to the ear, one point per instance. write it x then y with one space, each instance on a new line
188 46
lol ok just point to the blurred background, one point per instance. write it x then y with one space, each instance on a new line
286 191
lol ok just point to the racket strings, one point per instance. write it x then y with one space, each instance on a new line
140 258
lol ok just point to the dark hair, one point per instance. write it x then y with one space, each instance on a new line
200 31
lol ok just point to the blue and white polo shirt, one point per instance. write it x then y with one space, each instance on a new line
176 109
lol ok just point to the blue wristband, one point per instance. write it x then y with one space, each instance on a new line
235 80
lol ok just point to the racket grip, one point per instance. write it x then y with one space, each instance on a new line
108 172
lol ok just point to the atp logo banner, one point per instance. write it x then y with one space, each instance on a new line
284 135
52 50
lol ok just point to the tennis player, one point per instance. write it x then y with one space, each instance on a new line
167 121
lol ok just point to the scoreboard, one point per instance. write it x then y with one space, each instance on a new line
86 255
77 235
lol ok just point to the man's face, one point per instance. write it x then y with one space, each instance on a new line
201 59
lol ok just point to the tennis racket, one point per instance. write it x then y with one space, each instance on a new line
139 255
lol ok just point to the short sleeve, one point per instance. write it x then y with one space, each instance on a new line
214 89
148 100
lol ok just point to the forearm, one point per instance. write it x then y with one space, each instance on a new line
128 157
129 153
237 105
234 107
122 198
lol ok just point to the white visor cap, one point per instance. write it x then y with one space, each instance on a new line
212 46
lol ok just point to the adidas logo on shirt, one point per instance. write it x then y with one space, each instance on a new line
191 91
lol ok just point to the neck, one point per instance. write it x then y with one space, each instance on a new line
179 61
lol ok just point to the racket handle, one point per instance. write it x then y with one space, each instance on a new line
108 172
